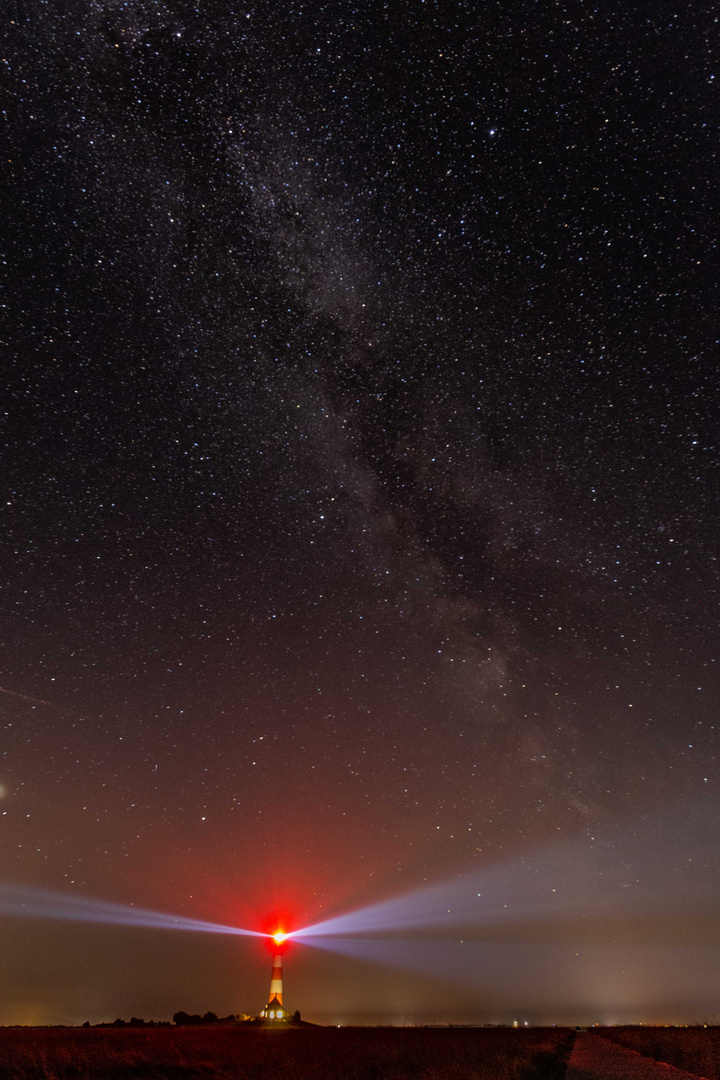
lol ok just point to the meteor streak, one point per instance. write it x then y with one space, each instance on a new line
25 697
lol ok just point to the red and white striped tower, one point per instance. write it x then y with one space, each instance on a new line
276 981
274 1010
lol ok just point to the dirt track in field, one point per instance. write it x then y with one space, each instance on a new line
595 1058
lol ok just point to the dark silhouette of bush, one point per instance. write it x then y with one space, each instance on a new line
183 1019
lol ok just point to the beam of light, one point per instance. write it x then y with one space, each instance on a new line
628 978
500 965
500 895
620 876
43 904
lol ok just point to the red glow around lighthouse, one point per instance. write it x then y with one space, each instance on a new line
277 927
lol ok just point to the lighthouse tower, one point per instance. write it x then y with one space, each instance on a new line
275 1010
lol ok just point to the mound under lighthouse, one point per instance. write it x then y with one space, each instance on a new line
275 1010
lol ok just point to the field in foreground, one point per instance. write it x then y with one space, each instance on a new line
305 1054
694 1049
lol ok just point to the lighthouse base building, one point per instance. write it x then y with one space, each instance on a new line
274 1011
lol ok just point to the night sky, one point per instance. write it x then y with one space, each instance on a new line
359 502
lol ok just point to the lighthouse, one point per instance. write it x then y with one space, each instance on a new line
275 1010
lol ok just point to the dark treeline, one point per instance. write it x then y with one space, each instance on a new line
183 1018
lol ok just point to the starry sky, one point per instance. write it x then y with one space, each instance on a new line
359 500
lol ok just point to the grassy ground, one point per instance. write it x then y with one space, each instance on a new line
310 1054
695 1049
